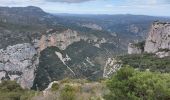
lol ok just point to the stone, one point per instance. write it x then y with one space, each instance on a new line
132 49
2 74
158 41
19 62
163 54
61 40
111 66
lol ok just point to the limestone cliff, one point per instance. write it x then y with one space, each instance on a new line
58 39
158 41
63 39
21 61
133 49
18 62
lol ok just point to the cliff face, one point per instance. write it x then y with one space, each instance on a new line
18 63
158 41
133 49
58 39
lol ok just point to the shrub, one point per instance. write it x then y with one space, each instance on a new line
10 86
55 87
147 61
68 93
130 84
10 90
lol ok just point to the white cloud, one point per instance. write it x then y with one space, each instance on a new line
147 7
20 2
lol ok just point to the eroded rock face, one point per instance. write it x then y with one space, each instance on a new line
133 49
92 26
158 41
18 62
112 65
134 29
60 40
163 54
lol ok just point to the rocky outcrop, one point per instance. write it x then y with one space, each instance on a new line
92 26
158 41
63 39
58 39
18 62
133 49
112 65
133 28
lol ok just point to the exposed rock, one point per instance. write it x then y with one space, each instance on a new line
63 39
2 75
19 62
133 28
112 65
158 41
67 58
163 54
60 40
92 26
133 49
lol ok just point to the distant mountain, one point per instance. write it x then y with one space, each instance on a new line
127 25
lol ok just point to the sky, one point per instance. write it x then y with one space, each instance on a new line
137 7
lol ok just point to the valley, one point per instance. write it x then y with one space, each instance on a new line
77 53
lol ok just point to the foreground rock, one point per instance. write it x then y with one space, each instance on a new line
18 63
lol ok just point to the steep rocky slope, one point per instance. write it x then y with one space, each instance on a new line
78 60
136 48
158 40
19 62
133 49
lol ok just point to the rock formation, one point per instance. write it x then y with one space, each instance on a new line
92 26
112 65
18 63
158 41
58 39
133 49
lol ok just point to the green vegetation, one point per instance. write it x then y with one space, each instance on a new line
10 90
68 93
130 84
49 66
147 61
55 87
